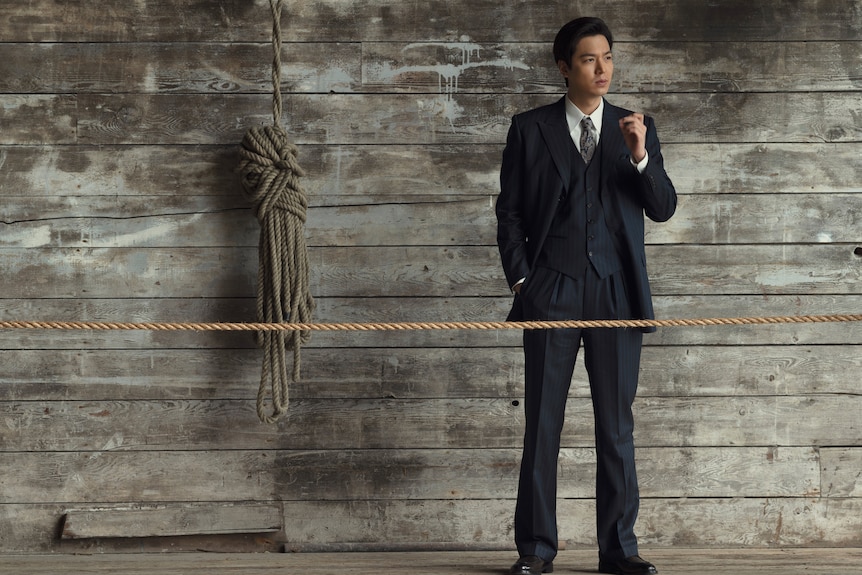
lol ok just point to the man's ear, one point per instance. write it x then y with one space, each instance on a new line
564 70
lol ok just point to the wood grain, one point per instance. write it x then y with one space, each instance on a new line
171 521
368 174
414 373
119 129
463 119
226 557
321 20
199 477
416 67
421 272
224 221
417 423
731 522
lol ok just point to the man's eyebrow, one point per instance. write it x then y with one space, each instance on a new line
586 54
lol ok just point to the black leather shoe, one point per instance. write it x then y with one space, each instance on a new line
531 565
633 565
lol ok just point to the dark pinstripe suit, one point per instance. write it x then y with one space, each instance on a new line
537 174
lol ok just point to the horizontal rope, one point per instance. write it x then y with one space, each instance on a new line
410 326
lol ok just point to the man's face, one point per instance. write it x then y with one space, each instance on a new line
591 69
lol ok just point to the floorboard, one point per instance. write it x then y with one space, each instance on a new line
669 562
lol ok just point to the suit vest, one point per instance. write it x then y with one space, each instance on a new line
579 236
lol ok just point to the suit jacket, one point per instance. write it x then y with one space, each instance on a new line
535 177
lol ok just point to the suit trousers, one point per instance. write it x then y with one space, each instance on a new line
612 361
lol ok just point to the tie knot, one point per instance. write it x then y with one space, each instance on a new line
587 123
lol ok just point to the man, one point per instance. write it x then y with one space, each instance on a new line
571 235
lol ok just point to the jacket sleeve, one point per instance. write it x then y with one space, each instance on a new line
511 219
657 191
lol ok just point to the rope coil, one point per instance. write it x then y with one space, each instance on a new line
270 177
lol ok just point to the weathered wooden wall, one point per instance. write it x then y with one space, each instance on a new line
119 125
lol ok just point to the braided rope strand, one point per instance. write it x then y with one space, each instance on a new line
303 327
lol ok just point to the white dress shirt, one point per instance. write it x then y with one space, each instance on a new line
574 117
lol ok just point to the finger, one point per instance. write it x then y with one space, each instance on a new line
632 119
626 124
632 129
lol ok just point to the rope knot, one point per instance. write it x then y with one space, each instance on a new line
270 177
270 172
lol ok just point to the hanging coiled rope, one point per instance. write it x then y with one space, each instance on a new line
270 177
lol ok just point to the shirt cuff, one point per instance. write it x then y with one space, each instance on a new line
641 166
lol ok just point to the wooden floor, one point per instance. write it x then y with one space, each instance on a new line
669 562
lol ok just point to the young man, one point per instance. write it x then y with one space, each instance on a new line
577 178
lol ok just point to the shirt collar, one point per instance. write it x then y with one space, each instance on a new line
574 116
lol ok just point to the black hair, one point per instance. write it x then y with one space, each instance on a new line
572 32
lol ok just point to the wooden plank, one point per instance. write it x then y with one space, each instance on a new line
732 522
177 68
171 521
462 119
741 523
466 308
414 373
760 218
46 21
676 561
336 175
194 476
38 119
152 477
753 306
34 528
58 171
469 67
350 174
812 420
325 20
784 561
840 471
417 272
746 269
763 168
748 370
113 221
224 221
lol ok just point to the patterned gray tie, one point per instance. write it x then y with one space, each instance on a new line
588 142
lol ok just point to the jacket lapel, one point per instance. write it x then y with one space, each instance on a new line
555 131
